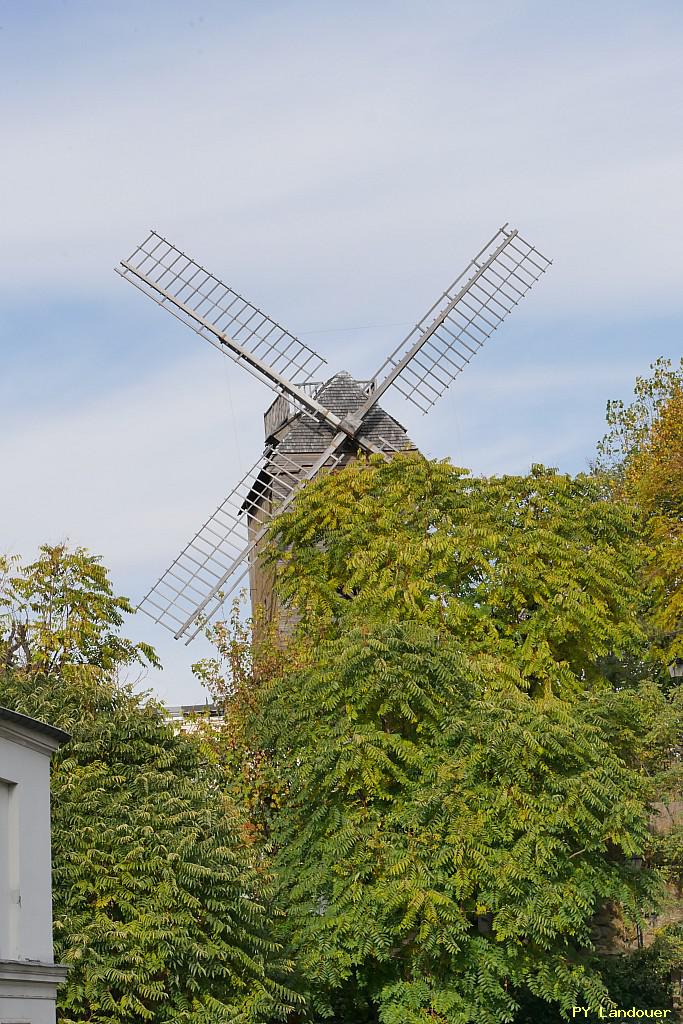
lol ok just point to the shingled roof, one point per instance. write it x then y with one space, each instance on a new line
342 395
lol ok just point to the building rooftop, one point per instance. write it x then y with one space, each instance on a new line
13 718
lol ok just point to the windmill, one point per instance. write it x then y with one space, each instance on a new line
312 424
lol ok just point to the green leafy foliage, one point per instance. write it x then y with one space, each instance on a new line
630 425
536 572
643 455
59 612
249 655
454 773
160 911
643 978
425 797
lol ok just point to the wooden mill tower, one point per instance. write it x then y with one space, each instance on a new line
295 442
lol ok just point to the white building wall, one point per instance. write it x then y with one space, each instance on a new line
28 974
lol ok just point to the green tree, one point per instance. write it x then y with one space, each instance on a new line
160 910
60 612
630 425
642 454
451 782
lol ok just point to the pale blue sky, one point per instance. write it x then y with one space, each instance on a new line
338 164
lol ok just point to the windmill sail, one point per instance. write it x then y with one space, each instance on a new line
429 359
422 367
218 313
215 561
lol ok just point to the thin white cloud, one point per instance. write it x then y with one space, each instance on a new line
132 476
327 161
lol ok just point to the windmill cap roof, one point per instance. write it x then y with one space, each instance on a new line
342 395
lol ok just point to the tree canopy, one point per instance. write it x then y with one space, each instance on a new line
452 759
630 425
60 612
160 909
643 452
